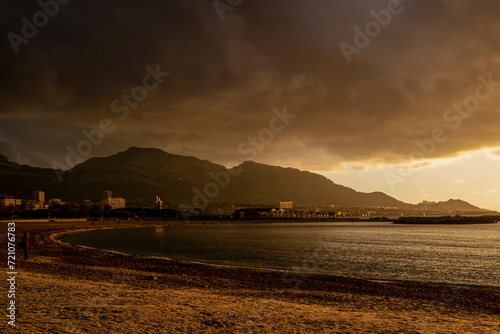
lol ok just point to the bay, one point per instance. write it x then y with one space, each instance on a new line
457 254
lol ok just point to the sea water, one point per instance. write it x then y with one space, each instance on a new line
458 254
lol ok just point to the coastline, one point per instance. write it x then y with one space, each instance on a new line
357 304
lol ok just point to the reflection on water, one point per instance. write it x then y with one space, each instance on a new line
159 230
467 254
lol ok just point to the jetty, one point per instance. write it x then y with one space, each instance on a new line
457 220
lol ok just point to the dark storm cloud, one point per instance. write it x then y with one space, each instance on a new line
226 78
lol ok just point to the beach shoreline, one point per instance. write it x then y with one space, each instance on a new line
356 303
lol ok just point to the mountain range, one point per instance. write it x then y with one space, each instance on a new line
143 173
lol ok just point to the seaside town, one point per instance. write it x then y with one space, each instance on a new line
109 207
117 207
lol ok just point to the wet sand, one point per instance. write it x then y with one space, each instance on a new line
64 289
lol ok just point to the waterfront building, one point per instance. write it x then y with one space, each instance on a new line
286 205
114 202
10 201
39 196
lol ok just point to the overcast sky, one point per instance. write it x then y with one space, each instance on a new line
290 83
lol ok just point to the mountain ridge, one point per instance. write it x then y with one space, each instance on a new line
142 173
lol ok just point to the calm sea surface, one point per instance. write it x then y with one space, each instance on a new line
467 254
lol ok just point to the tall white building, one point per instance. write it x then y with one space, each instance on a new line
39 196
158 203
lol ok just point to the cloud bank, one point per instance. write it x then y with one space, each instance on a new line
225 79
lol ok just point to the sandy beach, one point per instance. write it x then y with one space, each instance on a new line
64 289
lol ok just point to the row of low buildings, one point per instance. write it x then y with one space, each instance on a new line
10 201
38 201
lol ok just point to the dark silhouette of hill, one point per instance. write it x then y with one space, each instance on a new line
143 173
140 173
21 180
447 206
259 183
